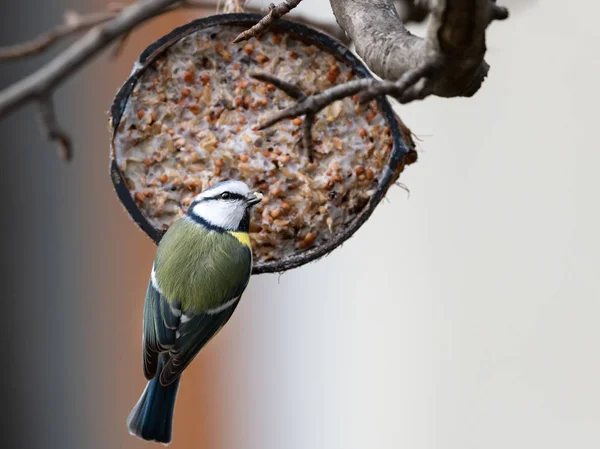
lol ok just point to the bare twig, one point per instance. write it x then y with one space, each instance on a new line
297 94
447 62
275 12
410 86
40 85
52 129
119 46
74 23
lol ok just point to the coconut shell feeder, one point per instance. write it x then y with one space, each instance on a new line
186 119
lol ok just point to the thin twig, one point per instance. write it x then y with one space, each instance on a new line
315 103
275 12
399 88
52 129
292 90
74 23
297 94
366 89
307 141
56 71
119 47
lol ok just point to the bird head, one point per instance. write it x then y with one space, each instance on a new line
225 205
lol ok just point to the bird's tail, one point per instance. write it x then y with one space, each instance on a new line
152 417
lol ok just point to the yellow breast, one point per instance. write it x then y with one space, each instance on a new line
243 237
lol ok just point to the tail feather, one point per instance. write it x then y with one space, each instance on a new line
152 417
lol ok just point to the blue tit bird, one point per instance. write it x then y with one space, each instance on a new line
202 266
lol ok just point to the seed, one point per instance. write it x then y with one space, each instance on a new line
333 73
219 162
244 157
140 113
285 206
276 38
205 79
370 116
310 237
194 109
189 77
359 170
226 56
275 213
164 178
307 241
261 59
147 162
185 92
171 131
139 197
338 144
362 133
217 171
249 49
297 121
292 54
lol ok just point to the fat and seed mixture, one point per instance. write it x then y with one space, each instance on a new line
191 119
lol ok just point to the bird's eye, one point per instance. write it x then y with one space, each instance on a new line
225 195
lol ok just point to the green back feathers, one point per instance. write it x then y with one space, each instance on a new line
201 268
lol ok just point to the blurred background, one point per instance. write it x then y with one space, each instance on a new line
463 316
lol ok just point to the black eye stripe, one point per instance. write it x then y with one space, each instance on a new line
232 197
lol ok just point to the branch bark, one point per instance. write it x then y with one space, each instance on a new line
48 77
455 39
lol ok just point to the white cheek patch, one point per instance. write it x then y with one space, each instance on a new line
220 213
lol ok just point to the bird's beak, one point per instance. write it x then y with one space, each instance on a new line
254 198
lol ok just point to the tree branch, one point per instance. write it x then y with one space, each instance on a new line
297 94
275 12
48 77
52 129
73 23
448 62
455 40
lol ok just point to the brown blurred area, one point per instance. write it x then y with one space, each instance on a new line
88 264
